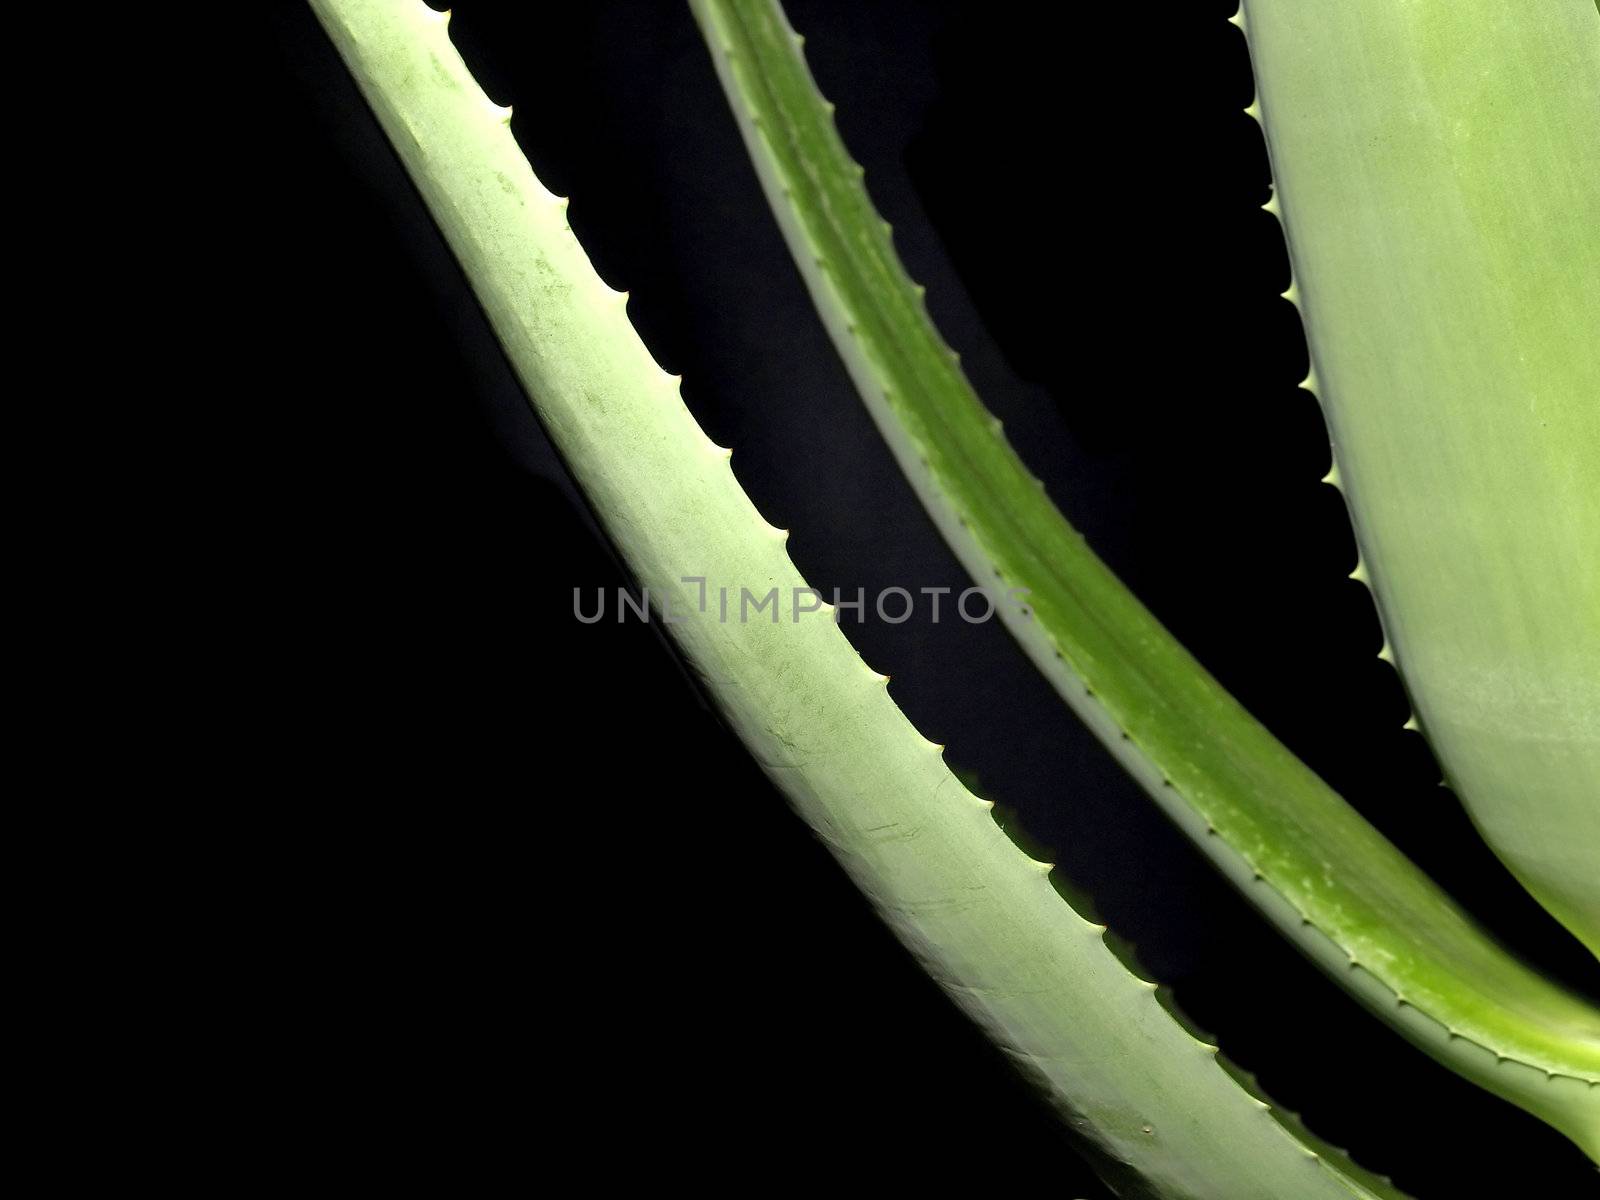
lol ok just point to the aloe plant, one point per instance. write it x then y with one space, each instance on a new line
979 912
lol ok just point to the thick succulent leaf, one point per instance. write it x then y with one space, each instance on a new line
982 916
1438 175
1309 861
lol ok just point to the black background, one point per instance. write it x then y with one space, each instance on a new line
596 936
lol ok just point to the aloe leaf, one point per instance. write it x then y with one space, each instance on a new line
1308 861
1438 176
982 916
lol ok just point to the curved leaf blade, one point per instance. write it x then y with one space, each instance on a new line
1443 220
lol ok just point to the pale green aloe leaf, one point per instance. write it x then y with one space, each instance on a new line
1438 175
980 914
1308 860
